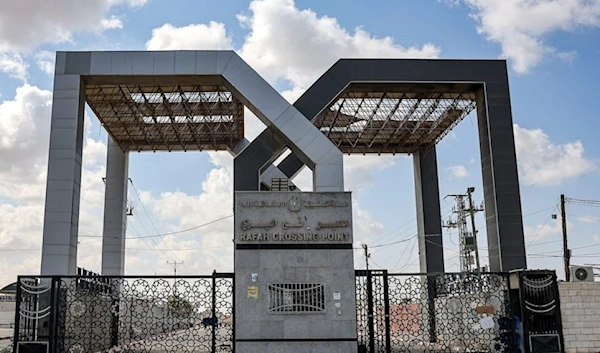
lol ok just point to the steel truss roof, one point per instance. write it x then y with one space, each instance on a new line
377 120
168 117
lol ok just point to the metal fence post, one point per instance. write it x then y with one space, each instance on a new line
559 325
370 323
17 315
52 329
431 295
214 313
114 323
233 312
386 306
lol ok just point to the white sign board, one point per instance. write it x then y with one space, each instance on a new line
293 217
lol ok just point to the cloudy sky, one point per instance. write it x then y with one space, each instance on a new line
551 47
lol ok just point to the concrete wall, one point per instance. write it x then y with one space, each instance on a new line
580 310
7 314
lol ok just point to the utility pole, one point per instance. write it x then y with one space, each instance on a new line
461 224
366 255
467 241
566 251
472 211
175 265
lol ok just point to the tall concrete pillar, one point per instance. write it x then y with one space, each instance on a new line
61 215
501 191
115 210
429 231
429 220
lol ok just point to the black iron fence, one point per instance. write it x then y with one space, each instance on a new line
450 312
89 313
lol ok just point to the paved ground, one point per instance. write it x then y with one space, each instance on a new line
197 340
6 332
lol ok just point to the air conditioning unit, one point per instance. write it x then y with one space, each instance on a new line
582 274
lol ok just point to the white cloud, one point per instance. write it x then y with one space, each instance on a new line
197 36
458 171
298 45
286 42
552 227
541 231
24 130
567 57
25 24
130 3
520 27
45 61
542 162
111 23
588 219
24 137
13 65
360 171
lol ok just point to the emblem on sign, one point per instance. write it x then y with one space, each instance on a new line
294 204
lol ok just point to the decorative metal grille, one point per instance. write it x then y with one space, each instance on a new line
296 298
464 312
81 314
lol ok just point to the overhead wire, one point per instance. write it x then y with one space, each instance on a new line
585 217
158 246
541 228
375 263
402 255
169 233
582 201
381 238
143 240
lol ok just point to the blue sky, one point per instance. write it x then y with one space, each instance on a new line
551 48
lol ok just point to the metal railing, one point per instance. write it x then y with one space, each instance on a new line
457 312
90 313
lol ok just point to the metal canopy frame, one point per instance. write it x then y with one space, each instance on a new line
168 117
392 118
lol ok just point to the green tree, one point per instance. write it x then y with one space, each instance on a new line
179 305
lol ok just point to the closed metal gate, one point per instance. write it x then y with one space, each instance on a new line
451 312
540 307
89 313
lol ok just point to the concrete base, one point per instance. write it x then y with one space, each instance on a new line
333 268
